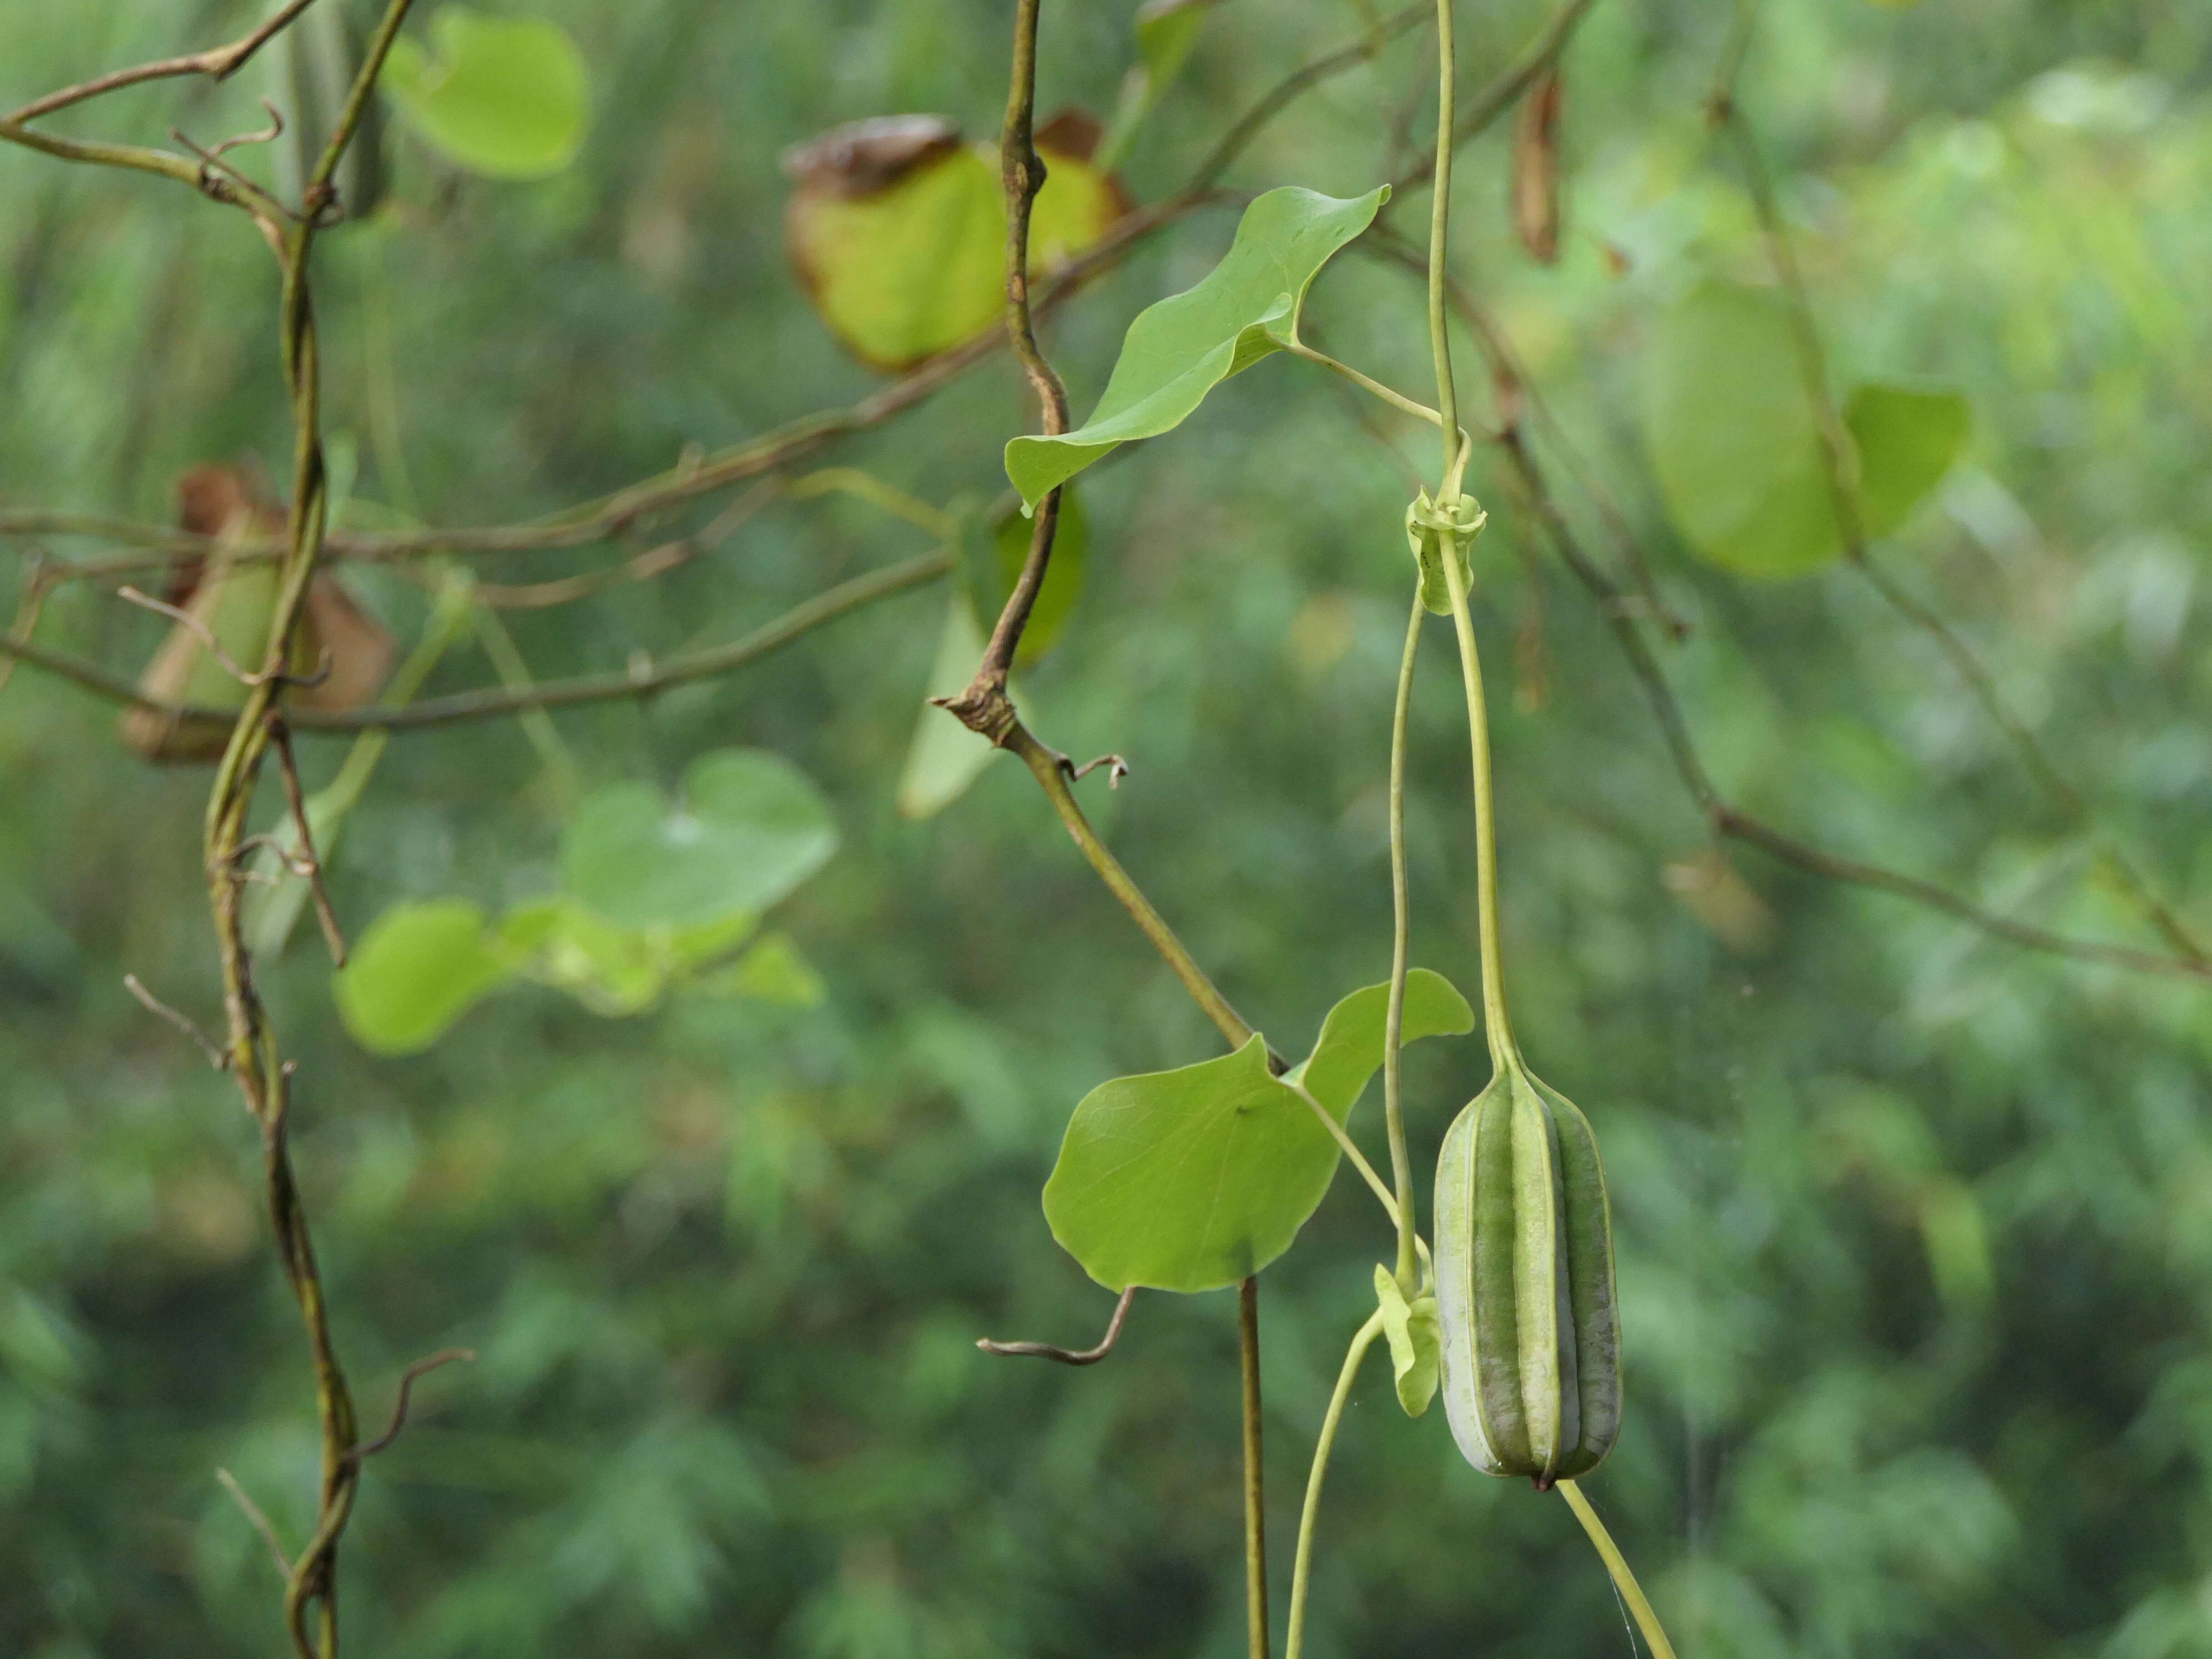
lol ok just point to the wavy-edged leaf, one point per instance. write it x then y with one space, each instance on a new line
1181 348
507 97
1349 1051
1193 1179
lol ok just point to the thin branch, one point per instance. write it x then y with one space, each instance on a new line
1500 95
492 702
194 626
610 515
1067 1356
37 584
1517 388
1727 820
2034 757
217 63
1310 1512
309 863
261 1521
1242 133
1050 769
1839 454
184 1023
419 1369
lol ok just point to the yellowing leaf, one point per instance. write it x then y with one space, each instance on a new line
899 232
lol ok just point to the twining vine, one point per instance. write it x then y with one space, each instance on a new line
1508 1307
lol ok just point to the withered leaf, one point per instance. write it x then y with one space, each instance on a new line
1536 169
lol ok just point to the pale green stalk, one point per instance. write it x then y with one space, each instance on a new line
1393 1024
1502 1048
1439 243
1300 1573
1622 1579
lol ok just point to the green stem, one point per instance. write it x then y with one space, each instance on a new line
1255 1508
1502 1047
1300 1570
1439 239
1394 1023
1050 769
1617 1565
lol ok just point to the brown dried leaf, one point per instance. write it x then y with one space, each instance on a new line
1536 169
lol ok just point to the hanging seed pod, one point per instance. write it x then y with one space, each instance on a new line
1525 1284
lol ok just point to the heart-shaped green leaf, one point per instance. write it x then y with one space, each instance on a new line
751 827
1735 444
419 968
1193 1179
1181 348
1907 441
1732 435
507 97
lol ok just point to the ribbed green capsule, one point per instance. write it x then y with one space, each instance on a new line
1524 1283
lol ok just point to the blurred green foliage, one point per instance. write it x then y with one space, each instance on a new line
1916 1229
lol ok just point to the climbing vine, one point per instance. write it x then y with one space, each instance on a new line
1188 1181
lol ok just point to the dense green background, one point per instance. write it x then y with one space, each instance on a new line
1915 1227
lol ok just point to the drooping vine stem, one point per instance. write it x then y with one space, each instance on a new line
1455 454
1502 1046
1294 1641
1617 1565
1439 245
1256 1508
1394 1023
